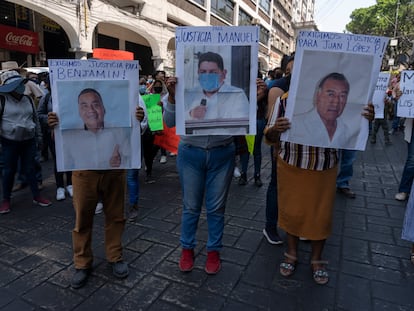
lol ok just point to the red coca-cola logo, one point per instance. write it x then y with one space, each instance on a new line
19 39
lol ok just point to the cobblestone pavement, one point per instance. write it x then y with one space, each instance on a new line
368 262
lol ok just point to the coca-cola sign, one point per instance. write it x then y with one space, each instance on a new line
17 39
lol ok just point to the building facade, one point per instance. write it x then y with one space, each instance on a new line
32 31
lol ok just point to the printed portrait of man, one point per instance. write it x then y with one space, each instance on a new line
213 101
115 93
324 120
327 111
96 146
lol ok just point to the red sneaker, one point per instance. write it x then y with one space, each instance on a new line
213 264
5 207
41 201
187 260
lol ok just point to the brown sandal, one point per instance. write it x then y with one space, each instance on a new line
286 268
320 275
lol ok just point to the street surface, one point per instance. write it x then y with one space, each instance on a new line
368 262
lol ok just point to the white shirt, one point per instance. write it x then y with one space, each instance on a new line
229 102
84 149
308 129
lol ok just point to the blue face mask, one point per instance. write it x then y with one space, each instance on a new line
142 89
20 89
209 81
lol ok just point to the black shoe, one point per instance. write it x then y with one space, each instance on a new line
149 179
272 236
258 181
133 212
120 269
243 179
347 192
79 278
19 187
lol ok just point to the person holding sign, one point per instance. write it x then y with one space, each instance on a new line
408 171
324 120
313 170
89 186
214 99
205 166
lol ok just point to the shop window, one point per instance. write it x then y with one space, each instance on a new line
143 54
108 42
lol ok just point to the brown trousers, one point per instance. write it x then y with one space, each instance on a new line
88 187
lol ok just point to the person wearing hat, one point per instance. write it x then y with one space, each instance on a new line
20 128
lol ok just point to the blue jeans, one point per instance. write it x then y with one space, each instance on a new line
257 151
271 196
408 172
133 186
12 151
396 120
204 172
346 169
21 174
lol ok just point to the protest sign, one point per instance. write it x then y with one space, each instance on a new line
95 101
379 94
333 78
154 111
168 139
217 67
405 105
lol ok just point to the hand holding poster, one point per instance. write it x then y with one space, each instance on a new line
95 102
380 93
154 111
333 78
216 70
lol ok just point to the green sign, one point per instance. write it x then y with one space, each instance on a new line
154 111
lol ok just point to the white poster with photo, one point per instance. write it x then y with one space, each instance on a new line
333 78
216 69
380 94
405 105
95 102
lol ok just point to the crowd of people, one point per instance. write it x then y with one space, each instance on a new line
205 163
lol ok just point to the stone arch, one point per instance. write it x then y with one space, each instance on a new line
169 64
134 37
52 13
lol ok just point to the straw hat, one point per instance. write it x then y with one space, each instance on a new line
10 65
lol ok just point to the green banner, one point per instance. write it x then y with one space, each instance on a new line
154 111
